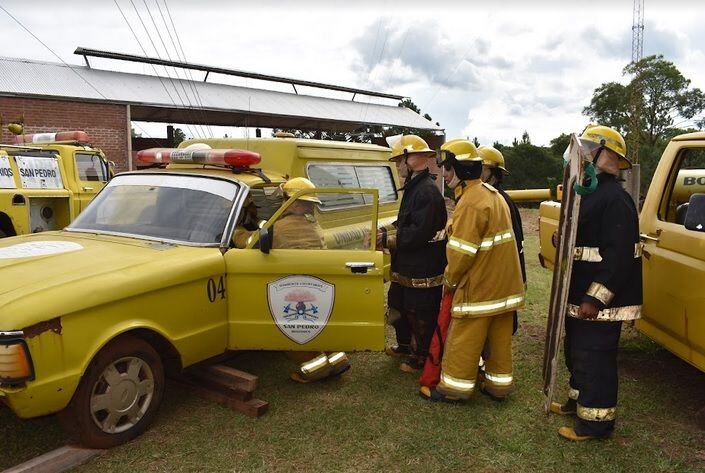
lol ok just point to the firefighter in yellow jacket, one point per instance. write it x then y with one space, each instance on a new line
297 228
484 274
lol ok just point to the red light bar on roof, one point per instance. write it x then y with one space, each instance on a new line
224 157
79 136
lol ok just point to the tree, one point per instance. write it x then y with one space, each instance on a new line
559 144
179 136
667 100
525 138
476 142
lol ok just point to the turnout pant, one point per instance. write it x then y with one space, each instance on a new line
464 343
316 365
591 358
414 312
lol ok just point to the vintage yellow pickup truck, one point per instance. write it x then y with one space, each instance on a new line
148 280
672 226
47 179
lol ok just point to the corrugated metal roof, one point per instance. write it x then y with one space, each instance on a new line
23 77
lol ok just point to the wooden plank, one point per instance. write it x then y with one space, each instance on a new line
251 407
193 379
57 461
236 378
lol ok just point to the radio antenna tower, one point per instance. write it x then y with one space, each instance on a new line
635 98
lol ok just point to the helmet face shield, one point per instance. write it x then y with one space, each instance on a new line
444 159
590 145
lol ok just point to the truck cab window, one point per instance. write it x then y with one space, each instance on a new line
90 168
689 179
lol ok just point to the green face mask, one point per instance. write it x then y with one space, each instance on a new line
591 177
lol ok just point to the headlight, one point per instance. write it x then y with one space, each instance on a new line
15 362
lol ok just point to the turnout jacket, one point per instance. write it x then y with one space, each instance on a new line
419 247
483 263
300 232
517 228
607 259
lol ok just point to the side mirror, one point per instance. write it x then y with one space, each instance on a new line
266 237
695 216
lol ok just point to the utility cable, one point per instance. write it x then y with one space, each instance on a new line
182 58
139 17
176 71
144 51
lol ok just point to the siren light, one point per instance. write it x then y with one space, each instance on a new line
239 158
79 136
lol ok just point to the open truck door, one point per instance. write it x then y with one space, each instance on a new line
328 299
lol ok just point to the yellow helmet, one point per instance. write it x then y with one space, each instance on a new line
292 186
462 155
409 144
609 138
492 157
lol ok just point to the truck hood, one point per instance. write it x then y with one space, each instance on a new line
49 275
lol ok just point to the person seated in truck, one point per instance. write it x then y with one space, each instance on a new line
297 228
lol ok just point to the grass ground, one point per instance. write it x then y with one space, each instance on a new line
372 419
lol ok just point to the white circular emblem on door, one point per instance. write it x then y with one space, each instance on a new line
300 306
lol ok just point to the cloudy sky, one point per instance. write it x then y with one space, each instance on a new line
478 69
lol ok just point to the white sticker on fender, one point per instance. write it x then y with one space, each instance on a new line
300 306
38 248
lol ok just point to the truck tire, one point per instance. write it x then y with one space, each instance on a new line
118 396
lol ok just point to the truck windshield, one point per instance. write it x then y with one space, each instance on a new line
191 210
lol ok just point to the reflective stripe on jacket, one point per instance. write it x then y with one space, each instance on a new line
483 263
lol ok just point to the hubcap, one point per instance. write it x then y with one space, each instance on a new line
122 395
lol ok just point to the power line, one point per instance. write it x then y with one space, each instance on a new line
139 17
144 51
176 71
52 52
193 85
66 64
379 59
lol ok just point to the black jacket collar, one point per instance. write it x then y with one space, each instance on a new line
416 179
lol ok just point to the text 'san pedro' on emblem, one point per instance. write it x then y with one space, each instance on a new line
300 306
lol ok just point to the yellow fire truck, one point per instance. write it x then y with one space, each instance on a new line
47 179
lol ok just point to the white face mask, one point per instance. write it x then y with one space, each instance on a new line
454 181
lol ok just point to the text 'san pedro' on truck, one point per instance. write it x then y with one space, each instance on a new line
672 227
47 179
171 288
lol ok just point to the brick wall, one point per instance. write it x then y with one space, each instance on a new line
104 123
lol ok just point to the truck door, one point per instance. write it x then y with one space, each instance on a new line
674 257
91 176
330 298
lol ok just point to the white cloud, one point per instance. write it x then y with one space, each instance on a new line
478 69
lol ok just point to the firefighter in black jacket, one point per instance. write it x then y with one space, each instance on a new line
605 289
418 254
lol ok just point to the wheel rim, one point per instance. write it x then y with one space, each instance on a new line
122 395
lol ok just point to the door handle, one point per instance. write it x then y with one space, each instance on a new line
360 267
87 189
645 237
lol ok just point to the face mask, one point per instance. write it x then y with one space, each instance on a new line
454 182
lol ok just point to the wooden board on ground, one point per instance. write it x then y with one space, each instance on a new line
57 461
226 386
565 249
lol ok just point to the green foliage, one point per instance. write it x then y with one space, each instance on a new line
179 136
666 100
532 167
